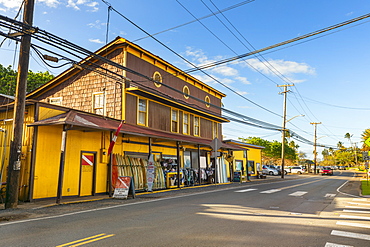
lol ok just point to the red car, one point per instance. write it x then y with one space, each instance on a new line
326 171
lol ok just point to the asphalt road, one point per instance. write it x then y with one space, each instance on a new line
311 211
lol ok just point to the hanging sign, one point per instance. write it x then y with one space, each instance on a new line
150 173
124 185
367 142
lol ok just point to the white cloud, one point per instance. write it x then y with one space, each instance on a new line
225 71
229 73
98 41
50 3
284 67
97 24
243 80
11 4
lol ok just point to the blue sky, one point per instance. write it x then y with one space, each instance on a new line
330 72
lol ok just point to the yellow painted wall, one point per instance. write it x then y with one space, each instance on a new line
48 161
254 154
45 112
27 138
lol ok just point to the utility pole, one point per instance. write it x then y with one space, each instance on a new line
283 128
315 139
14 166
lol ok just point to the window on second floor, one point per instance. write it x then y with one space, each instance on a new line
185 124
215 129
175 121
98 103
55 101
142 112
196 126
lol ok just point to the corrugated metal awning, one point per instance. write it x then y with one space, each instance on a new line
90 122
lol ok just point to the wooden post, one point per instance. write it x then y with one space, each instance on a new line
61 166
14 166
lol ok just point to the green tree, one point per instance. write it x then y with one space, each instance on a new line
8 79
272 150
364 136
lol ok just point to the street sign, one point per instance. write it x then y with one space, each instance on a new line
367 142
365 155
216 144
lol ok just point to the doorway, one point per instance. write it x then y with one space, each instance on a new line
87 173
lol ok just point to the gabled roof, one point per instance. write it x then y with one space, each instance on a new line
102 52
90 122
243 144
5 99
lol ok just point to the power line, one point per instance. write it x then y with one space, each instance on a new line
187 23
206 66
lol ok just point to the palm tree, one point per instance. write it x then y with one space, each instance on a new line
365 135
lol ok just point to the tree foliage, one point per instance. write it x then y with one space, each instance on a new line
8 79
272 150
344 155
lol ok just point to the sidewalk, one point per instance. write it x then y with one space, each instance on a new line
42 207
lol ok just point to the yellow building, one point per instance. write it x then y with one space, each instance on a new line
71 120
250 158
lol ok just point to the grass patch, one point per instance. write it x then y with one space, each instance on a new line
365 187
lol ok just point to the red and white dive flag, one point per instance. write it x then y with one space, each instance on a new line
114 139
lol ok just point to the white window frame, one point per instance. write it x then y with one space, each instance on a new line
175 121
185 125
196 126
140 112
55 101
101 108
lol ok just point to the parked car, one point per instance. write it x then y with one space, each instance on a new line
341 167
269 171
326 170
277 168
296 169
286 169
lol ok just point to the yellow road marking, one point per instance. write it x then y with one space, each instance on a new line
93 240
90 239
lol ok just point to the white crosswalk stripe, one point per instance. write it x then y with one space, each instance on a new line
356 211
354 217
345 223
298 193
350 235
246 190
270 191
336 245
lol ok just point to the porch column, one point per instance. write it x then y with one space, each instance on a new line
62 162
199 172
246 161
178 164
110 170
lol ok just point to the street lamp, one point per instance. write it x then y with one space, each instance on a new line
282 143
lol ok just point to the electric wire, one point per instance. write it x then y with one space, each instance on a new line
50 40
187 23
